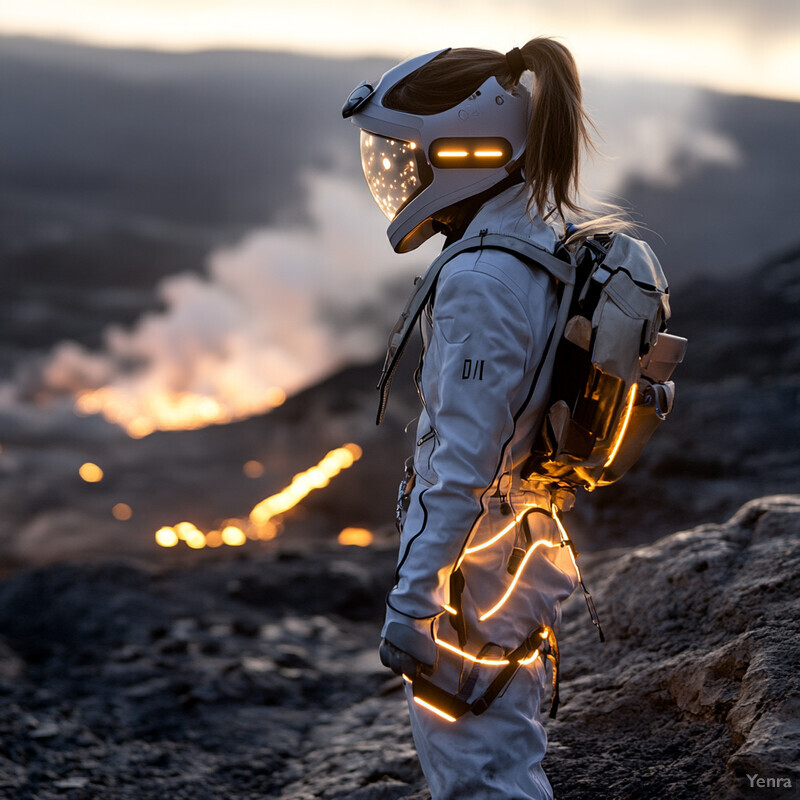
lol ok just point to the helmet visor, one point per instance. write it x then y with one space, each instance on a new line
396 171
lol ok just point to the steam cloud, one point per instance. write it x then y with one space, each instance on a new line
235 343
651 132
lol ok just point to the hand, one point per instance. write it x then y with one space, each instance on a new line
399 661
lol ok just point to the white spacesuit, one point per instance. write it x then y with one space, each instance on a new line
482 567
491 320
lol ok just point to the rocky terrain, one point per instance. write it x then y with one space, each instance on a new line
130 672
257 677
253 673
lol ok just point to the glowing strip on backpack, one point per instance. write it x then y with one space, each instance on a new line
624 428
517 576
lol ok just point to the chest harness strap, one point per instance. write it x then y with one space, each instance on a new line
401 332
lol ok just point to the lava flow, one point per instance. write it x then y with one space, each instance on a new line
170 411
261 524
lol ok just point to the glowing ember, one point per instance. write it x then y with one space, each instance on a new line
122 512
358 537
166 537
233 536
170 411
186 530
91 473
253 469
214 539
197 541
261 524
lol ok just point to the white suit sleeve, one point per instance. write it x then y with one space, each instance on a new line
474 383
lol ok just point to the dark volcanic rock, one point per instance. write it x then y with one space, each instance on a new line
188 684
132 684
696 686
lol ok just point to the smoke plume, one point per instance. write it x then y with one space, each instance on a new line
236 342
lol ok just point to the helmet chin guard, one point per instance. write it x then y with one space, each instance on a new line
417 165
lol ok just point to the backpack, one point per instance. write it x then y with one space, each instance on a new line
610 354
612 364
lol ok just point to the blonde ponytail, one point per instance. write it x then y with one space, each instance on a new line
558 133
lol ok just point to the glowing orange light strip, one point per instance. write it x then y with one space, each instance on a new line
496 537
489 153
517 576
437 711
621 436
450 610
452 153
565 538
489 662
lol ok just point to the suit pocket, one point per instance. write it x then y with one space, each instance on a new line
423 456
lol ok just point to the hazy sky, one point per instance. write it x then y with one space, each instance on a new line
736 45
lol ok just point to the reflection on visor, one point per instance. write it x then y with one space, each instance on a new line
396 171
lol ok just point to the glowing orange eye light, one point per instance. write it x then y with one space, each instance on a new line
470 152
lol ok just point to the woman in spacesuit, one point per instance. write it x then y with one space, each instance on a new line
453 143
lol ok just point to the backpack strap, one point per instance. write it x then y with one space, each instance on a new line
562 271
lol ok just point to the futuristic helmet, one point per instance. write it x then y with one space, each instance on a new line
418 165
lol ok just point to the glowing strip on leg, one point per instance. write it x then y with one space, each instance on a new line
624 428
489 662
437 711
450 610
517 576
496 537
